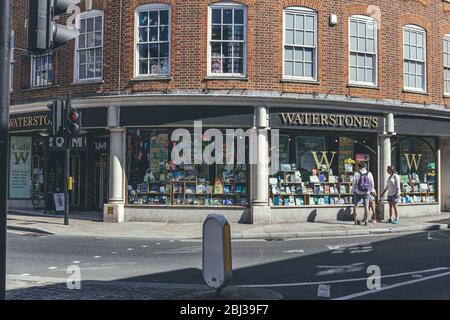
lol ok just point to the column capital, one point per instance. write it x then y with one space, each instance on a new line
117 129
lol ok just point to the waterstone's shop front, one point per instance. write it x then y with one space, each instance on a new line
37 159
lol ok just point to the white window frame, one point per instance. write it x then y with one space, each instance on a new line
227 5
415 28
446 67
316 42
151 7
367 20
32 71
84 15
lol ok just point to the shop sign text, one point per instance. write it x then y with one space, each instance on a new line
330 120
20 168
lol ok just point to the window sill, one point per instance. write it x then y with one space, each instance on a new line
82 82
363 86
305 81
424 93
40 88
237 78
152 78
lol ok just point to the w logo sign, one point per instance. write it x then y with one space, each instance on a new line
413 161
21 157
326 159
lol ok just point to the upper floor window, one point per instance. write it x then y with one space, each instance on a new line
363 50
42 70
414 58
89 46
447 65
152 40
300 43
227 39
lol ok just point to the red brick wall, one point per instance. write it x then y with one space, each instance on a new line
265 49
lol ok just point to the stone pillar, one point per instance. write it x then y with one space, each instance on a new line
114 209
385 159
260 202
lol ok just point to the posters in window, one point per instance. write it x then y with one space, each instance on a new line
20 168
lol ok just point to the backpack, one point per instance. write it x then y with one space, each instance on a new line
364 183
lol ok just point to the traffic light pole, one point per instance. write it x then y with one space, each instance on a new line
5 65
68 104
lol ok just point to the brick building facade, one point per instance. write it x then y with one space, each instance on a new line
125 103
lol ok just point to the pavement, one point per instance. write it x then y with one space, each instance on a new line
90 225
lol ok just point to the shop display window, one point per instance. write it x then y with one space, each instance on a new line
318 169
416 161
154 179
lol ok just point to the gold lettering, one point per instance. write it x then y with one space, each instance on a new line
357 122
298 119
413 160
349 121
324 159
375 122
315 119
366 122
324 119
332 119
341 119
287 118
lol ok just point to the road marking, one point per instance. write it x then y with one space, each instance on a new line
76 262
158 243
97 257
294 251
130 249
401 284
298 284
52 268
172 241
25 275
144 246
193 249
114 252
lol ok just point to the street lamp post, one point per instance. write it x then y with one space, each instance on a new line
5 60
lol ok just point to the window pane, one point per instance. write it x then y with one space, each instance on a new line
309 23
90 25
239 33
143 50
413 38
370 45
164 17
419 82
412 68
98 23
289 37
215 49
82 56
83 26
227 16
298 69
238 50
238 16
369 62
308 55
353 43
154 66
98 39
353 28
298 54
420 39
406 37
216 33
419 69
91 71
143 18
406 51
82 41
289 21
420 54
309 39
238 65
153 18
361 61
164 50
413 52
353 71
216 16
299 38
99 55
227 49
360 74
153 34
288 68
164 66
98 70
309 70
90 40
299 22
289 53
153 49
371 30
412 81
82 71
361 29
352 59
143 32
91 56
227 32
361 44
227 65
163 33
369 75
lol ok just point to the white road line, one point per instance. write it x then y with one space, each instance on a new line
25 275
294 251
97 257
114 252
158 243
130 249
52 268
144 246
401 284
338 281
76 262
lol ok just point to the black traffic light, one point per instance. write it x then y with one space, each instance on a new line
57 108
73 123
43 32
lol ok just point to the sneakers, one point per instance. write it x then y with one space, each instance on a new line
396 221
390 221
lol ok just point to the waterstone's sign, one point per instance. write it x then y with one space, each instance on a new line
20 168
327 121
30 122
